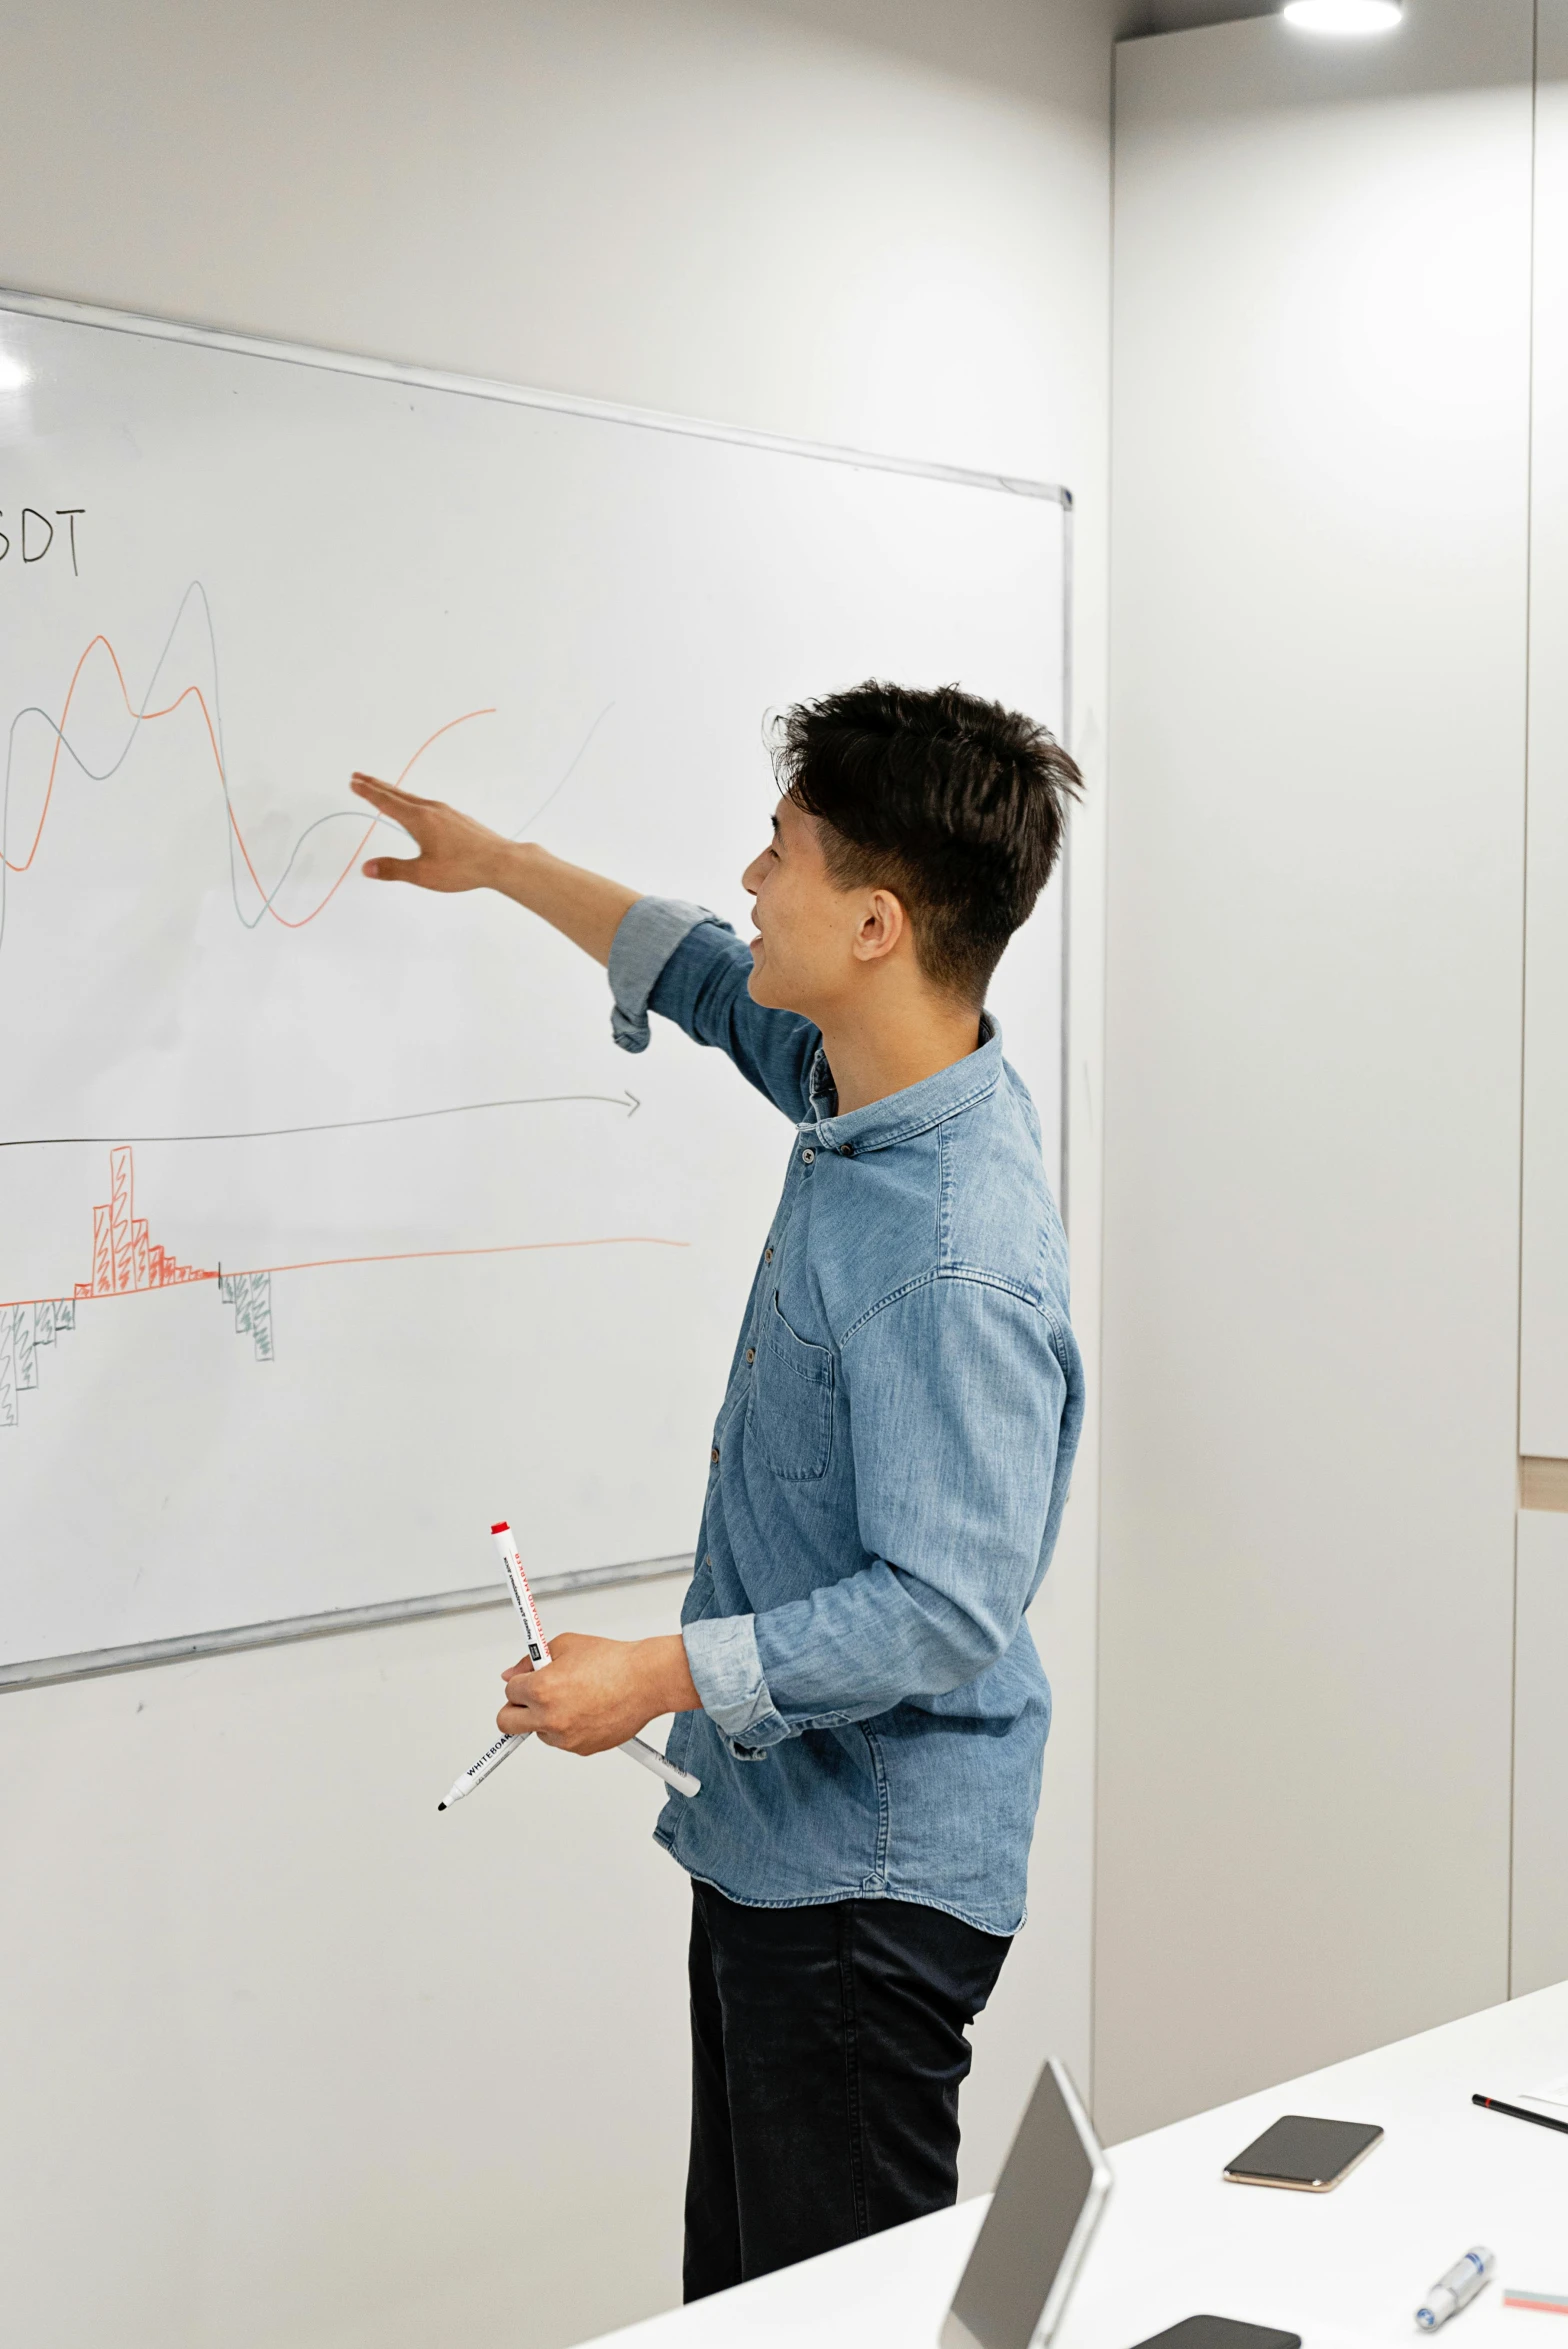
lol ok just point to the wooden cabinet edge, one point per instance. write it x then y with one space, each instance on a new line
1543 1484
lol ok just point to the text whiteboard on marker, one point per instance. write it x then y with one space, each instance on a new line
332 1224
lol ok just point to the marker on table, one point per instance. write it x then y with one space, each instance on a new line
1516 2112
1546 2303
1457 2289
635 1748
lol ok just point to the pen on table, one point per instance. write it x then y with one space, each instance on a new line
1457 2289
1516 2112
636 1749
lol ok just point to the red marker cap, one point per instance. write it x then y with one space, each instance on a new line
503 1527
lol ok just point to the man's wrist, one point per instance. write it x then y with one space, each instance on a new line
664 1676
515 869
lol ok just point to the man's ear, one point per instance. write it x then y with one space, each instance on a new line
883 925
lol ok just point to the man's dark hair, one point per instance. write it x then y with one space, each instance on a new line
955 804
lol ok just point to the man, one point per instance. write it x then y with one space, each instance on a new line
854 1681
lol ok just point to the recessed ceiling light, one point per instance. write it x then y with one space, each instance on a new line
12 374
1344 16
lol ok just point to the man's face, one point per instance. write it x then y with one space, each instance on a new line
803 954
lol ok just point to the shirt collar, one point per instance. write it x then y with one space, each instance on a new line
916 1110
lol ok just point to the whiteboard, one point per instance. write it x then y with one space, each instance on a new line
332 1223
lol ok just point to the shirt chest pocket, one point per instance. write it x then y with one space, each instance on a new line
790 1411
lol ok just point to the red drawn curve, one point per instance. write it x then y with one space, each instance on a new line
194 692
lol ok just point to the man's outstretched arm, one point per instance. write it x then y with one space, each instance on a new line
704 988
456 852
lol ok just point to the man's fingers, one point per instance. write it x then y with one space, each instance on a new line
523 1720
372 788
392 868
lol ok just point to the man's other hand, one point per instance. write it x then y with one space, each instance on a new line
596 1693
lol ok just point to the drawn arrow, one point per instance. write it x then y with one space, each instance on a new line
342 1125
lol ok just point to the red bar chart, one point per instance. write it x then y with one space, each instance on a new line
124 1258
126 1261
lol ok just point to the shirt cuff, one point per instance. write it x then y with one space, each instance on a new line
648 935
721 1654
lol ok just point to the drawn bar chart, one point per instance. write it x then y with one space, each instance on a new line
23 1330
126 1262
250 1294
124 1259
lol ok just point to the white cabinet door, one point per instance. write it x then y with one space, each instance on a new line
1540 1892
1543 1386
1540 1951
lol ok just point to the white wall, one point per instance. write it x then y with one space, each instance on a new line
1313 1039
289 2057
268 2075
798 219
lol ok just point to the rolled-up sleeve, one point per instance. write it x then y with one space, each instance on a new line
966 1378
648 935
687 964
726 1671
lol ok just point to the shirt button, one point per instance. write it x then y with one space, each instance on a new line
848 1150
807 1156
713 1455
767 1255
751 1354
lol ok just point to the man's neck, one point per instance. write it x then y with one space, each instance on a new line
895 1048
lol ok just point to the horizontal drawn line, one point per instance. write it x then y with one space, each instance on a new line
392 1256
630 1102
507 1248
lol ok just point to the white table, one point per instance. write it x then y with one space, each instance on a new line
1339 2268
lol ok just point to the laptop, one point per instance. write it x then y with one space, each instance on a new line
1033 2238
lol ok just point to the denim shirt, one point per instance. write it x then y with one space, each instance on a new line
888 1472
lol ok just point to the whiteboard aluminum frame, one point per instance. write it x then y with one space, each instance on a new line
480 387
95 1663
92 1663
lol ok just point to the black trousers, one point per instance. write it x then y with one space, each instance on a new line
828 2049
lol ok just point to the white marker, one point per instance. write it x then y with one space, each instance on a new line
491 1759
635 1748
1457 2289
522 1596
